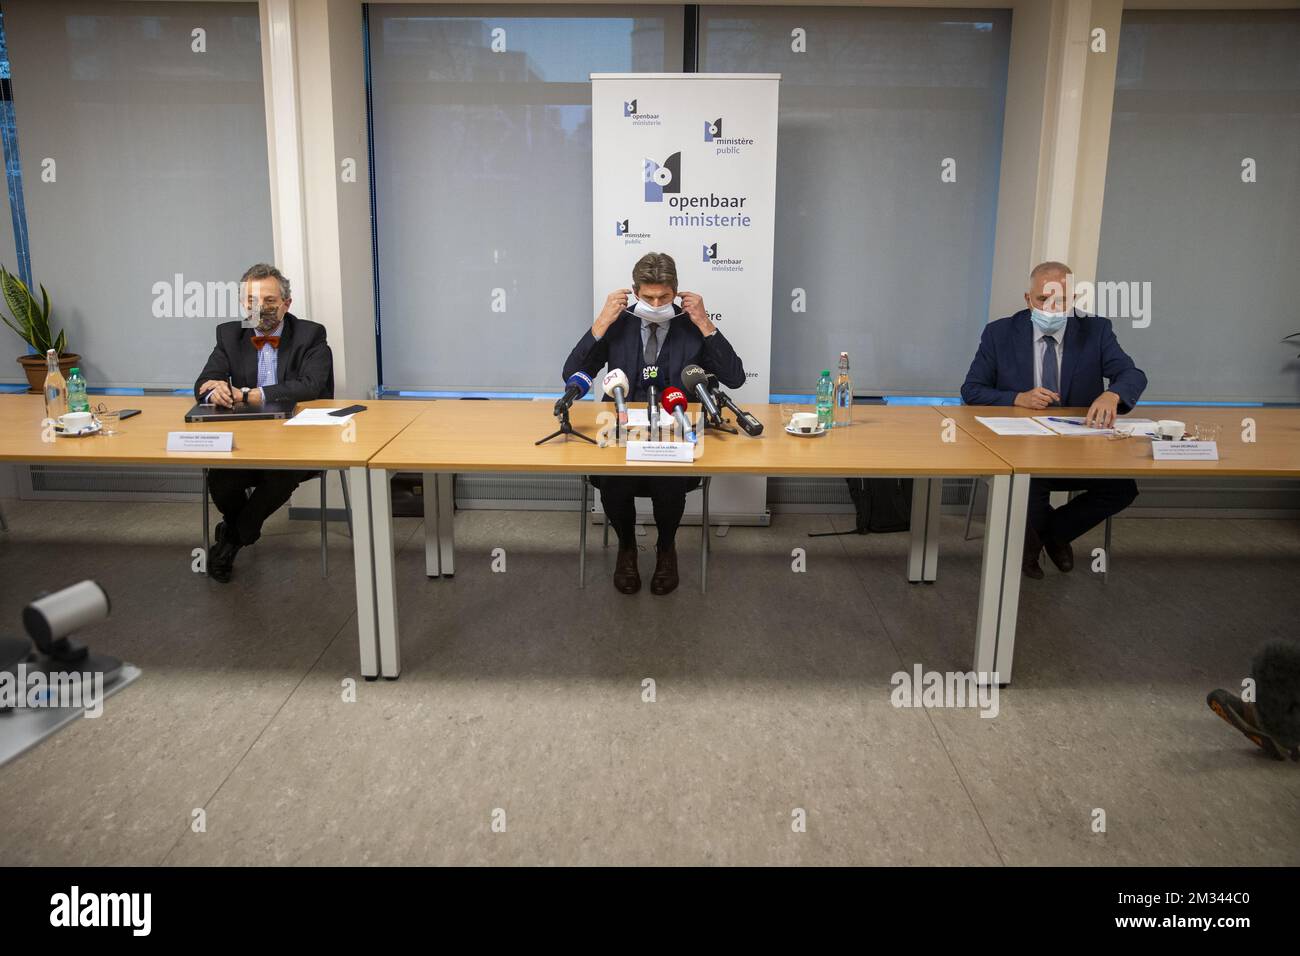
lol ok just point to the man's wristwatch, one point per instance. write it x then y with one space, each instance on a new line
245 391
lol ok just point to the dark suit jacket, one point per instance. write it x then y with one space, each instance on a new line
304 365
1004 364
683 345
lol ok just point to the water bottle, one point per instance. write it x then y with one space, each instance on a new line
825 400
56 389
843 394
77 401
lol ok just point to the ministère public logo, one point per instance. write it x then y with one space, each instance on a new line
623 230
727 145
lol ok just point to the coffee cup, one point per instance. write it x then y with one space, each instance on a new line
804 422
1170 430
76 421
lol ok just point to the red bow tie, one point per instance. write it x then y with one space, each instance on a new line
271 340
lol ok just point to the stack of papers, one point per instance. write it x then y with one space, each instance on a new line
319 416
1013 426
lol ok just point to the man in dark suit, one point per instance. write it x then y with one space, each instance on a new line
1052 354
651 332
274 357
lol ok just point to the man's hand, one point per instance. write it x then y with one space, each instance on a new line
218 393
255 396
1038 398
1102 412
615 303
693 306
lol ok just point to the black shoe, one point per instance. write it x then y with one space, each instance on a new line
626 576
1062 555
221 556
1033 547
665 576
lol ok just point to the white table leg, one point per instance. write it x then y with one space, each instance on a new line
446 528
930 566
923 558
992 569
363 560
432 555
381 512
1004 546
1015 551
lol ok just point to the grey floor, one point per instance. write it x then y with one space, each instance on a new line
522 697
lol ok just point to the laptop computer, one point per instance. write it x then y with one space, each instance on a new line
241 412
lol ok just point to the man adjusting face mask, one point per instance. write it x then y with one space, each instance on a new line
654 313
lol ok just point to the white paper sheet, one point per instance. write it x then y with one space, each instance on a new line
319 416
1013 426
1074 425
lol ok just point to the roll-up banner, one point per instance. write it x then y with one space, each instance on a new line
685 163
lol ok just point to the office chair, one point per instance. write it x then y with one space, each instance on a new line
704 534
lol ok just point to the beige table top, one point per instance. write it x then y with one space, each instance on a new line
143 438
498 435
1274 453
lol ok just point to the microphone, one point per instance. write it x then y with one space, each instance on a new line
579 383
674 402
650 375
615 383
695 379
752 426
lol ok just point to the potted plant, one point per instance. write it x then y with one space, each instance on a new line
31 321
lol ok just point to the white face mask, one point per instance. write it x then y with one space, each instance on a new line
654 313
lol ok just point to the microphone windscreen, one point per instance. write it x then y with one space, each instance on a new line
581 380
692 376
674 398
615 379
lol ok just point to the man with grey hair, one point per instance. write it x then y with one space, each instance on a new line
1052 354
273 356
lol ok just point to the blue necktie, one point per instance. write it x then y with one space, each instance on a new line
1051 376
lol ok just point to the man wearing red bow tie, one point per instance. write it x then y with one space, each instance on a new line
274 356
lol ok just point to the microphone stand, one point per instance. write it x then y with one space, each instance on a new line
720 423
565 429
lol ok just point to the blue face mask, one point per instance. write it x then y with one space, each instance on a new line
1049 323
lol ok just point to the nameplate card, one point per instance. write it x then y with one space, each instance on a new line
1185 450
200 441
669 452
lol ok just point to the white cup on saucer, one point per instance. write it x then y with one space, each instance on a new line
1170 430
804 422
76 421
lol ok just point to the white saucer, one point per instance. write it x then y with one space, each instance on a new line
90 429
821 430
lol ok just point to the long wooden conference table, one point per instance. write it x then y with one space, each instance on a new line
909 442
440 439
1253 443
257 444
